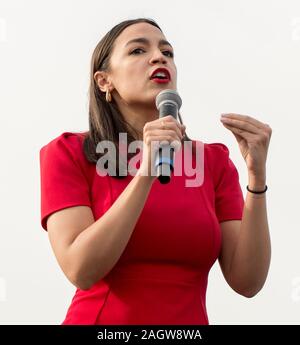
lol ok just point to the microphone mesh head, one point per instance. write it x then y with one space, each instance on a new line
171 95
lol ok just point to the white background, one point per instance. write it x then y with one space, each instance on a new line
232 56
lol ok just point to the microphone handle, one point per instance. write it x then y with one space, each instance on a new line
166 165
165 162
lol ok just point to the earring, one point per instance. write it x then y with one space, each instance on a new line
108 96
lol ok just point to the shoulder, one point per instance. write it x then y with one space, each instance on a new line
216 159
70 142
68 139
216 150
214 153
67 146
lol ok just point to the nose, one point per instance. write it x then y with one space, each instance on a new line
158 56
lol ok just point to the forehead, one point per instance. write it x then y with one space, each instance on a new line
138 30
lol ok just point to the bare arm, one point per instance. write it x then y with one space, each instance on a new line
246 249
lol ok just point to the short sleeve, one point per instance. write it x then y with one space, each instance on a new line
229 200
63 182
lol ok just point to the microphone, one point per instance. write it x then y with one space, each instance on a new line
168 102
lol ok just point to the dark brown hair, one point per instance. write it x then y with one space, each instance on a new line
105 119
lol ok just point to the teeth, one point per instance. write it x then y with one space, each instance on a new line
160 74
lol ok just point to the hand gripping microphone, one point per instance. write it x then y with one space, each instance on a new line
168 102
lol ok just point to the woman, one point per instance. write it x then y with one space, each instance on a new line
139 252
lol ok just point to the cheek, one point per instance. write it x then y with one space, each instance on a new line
132 73
174 74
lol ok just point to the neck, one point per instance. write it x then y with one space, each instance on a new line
138 116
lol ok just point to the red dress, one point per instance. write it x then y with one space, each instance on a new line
161 276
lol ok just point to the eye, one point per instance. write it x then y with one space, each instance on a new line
169 53
133 52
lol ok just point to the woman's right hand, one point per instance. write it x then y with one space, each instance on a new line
165 130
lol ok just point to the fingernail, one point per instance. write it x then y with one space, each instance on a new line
224 114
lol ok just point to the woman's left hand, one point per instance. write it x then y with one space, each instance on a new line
253 138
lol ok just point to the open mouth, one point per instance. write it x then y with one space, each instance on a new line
160 80
161 75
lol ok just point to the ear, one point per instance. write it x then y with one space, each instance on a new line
101 79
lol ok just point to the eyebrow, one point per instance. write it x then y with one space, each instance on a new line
146 41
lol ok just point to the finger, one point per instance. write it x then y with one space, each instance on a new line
246 118
238 137
157 124
183 127
175 126
242 133
241 124
169 118
163 123
165 138
168 133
